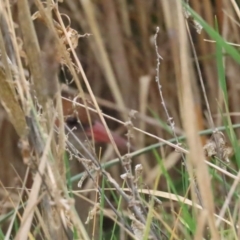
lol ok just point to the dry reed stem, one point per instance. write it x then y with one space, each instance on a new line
106 65
22 84
228 198
61 142
125 17
144 82
206 10
9 73
118 54
29 211
11 105
236 8
196 156
176 221
32 50
17 206
202 219
142 9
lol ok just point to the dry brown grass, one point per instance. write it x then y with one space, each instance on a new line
105 51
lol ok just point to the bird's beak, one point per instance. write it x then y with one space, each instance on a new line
100 135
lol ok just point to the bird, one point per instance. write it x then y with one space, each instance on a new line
85 126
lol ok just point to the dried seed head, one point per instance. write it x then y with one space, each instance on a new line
138 172
80 183
123 176
210 149
217 147
93 212
198 27
138 169
25 149
138 228
132 114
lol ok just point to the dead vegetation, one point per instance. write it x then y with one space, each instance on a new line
71 71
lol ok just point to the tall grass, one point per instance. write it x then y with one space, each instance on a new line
178 176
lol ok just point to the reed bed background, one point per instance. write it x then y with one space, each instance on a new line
167 74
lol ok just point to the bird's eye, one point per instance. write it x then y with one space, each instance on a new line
72 122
